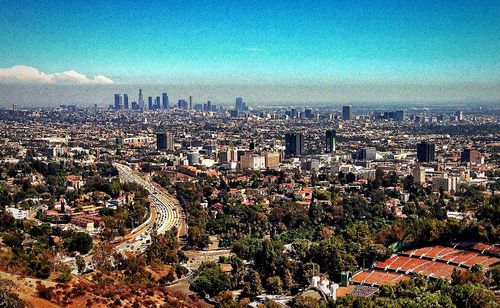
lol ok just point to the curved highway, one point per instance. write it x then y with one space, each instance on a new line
165 213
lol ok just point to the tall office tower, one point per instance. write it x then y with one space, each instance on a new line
164 97
182 104
294 113
140 100
157 103
399 115
118 101
170 141
190 103
426 152
209 106
367 154
150 102
125 101
460 115
346 112
308 113
330 141
198 107
471 156
161 141
294 144
239 104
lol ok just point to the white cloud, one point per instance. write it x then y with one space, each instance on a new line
24 73
28 74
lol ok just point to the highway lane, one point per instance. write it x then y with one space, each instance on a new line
165 207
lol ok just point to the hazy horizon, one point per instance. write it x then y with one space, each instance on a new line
54 95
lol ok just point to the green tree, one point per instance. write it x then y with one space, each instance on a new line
274 285
81 242
211 280
252 285
80 263
197 238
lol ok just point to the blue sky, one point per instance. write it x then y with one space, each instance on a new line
256 41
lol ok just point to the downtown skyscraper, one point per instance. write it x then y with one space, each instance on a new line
141 100
330 141
294 144
346 113
164 98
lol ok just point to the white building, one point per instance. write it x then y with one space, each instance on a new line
419 174
446 183
17 213
253 162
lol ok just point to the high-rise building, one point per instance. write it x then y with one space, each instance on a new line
469 155
165 141
426 152
198 107
294 144
190 103
118 101
253 162
161 141
239 104
164 97
310 165
367 154
150 102
446 183
346 112
157 103
140 100
170 141
460 115
294 113
399 115
330 141
193 158
223 156
308 113
419 174
125 101
182 104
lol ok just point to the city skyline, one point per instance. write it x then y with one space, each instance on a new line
31 95
415 51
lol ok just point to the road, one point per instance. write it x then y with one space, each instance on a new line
165 212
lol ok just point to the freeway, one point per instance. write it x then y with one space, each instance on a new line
165 212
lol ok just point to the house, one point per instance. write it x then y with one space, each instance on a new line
74 181
226 267
18 213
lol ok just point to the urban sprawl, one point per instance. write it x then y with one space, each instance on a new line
151 203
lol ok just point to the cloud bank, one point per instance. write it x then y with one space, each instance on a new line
29 74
